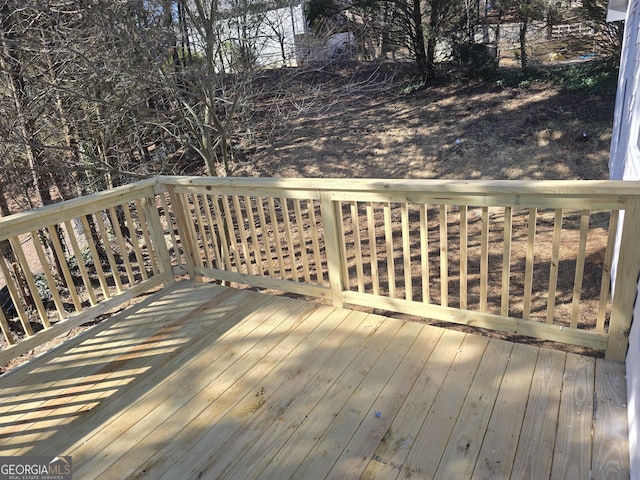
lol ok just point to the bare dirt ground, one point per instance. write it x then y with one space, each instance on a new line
364 121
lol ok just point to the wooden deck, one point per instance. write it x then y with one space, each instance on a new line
203 381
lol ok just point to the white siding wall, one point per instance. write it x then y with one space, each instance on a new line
624 164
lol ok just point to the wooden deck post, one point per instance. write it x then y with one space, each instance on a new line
187 239
330 220
626 282
157 238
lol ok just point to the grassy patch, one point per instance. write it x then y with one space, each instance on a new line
592 76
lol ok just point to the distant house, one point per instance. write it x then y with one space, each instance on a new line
277 37
624 164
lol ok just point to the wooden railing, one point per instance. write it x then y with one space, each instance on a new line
525 257
71 262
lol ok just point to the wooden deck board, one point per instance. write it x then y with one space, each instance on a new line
293 409
463 447
80 376
202 381
271 402
360 409
392 452
154 440
433 438
610 429
572 454
501 439
319 415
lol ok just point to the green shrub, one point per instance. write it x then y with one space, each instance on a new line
594 76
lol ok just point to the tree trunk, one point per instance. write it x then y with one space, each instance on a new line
418 40
184 35
432 38
28 130
524 25
5 247
498 25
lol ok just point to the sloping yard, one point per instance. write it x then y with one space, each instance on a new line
366 121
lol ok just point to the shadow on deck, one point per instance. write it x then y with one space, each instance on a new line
203 381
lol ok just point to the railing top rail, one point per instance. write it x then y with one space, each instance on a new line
608 188
23 222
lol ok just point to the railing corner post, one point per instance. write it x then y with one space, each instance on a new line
330 220
186 234
157 237
626 282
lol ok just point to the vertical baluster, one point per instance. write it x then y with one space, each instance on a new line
388 235
265 235
555 260
31 284
54 232
108 249
579 275
201 242
464 257
251 219
15 296
221 232
155 237
444 265
301 239
406 251
290 247
275 223
484 259
95 257
242 233
506 261
133 236
232 237
373 248
171 226
316 243
46 270
6 331
124 254
84 274
605 283
208 232
357 244
145 225
528 274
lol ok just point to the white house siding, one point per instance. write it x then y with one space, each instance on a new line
624 164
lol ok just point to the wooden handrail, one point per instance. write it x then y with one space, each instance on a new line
526 257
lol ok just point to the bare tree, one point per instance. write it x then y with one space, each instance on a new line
28 133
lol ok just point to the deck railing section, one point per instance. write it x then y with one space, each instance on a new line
68 263
531 258
272 239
